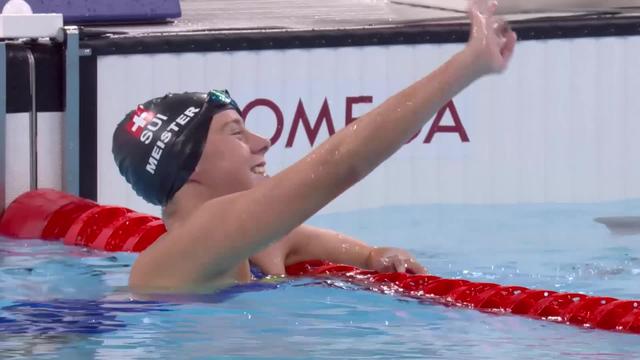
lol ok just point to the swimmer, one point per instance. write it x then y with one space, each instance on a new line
191 154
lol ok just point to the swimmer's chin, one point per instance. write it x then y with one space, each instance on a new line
258 179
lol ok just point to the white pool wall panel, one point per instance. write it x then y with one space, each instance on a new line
561 125
17 155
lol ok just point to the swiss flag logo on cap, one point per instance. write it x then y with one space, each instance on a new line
139 120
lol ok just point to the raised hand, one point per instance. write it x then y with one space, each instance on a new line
492 41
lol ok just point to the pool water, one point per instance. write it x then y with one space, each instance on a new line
65 302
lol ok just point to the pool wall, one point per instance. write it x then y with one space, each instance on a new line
559 126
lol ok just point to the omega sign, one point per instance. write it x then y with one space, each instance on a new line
327 119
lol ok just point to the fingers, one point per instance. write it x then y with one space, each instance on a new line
396 260
502 31
400 265
405 265
492 7
416 268
485 8
510 43
503 27
485 25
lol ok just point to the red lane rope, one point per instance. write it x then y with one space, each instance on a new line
594 312
53 215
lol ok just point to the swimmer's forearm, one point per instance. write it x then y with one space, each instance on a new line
377 135
312 243
356 150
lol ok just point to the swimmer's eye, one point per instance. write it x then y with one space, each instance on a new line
235 129
239 134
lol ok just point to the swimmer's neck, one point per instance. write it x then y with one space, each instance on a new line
186 201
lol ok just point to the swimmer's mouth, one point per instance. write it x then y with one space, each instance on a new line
259 169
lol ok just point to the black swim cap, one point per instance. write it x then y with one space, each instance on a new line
158 145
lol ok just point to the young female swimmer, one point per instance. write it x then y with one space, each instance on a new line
191 154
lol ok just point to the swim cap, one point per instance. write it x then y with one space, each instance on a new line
158 145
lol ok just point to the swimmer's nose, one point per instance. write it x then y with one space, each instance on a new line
259 144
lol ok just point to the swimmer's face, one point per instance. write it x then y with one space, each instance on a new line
233 157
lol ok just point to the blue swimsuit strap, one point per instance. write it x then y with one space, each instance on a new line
256 271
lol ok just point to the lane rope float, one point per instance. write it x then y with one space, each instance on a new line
52 215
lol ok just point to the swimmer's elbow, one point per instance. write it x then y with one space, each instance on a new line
137 279
141 283
144 278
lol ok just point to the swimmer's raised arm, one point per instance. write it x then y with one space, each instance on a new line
206 248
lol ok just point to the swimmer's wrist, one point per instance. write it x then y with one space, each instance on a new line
469 60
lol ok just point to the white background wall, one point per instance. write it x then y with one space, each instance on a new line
560 126
17 156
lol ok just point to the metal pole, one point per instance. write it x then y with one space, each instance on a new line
3 123
71 134
33 123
